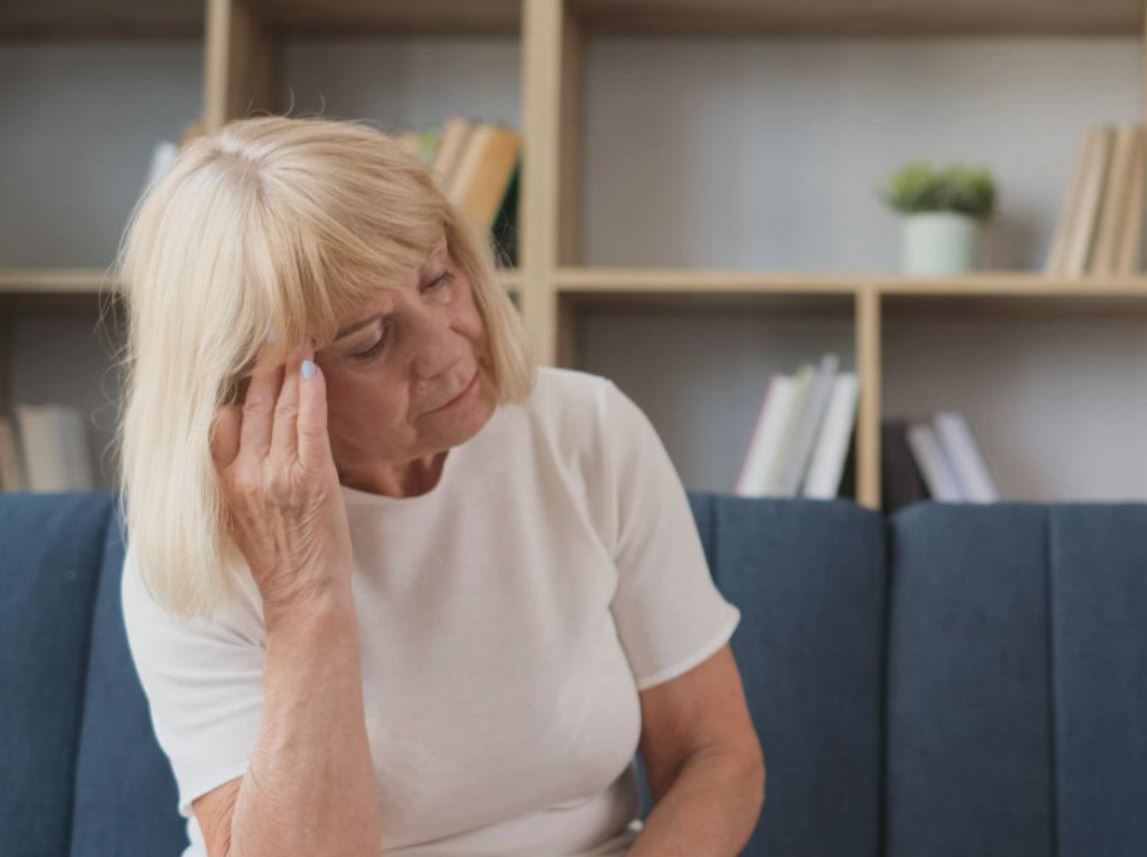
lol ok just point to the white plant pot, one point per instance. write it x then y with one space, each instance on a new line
939 242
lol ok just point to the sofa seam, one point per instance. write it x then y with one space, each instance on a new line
1052 683
73 775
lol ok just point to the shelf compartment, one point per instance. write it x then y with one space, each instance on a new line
847 18
117 19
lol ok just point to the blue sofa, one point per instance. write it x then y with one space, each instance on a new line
953 680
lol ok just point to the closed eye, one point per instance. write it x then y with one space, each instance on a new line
377 348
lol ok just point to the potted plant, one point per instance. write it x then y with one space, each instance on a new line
943 210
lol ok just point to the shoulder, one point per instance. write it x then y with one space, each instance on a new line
149 625
568 393
566 416
574 406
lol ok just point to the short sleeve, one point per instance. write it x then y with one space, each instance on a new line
669 613
204 686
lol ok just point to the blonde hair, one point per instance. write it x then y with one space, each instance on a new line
268 223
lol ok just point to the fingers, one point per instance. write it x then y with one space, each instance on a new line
284 432
283 415
314 444
259 407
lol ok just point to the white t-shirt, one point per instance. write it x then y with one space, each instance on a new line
508 619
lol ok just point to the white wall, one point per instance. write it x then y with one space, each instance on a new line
765 154
78 121
416 82
750 153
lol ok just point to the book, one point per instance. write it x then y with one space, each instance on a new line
795 465
453 139
485 171
828 459
766 436
934 465
1081 240
787 446
505 226
901 482
11 467
1130 251
1056 263
55 448
960 448
1117 185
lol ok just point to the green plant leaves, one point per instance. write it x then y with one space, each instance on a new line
920 187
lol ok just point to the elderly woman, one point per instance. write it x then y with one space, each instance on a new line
391 588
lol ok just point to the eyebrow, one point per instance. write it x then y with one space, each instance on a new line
359 325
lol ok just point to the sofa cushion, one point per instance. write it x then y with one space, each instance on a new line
969 695
125 801
1099 647
809 579
49 567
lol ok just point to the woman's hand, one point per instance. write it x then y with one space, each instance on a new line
286 513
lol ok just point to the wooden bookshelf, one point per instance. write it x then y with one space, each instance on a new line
165 18
49 284
242 75
845 18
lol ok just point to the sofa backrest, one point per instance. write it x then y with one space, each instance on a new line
809 579
957 680
1017 681
81 773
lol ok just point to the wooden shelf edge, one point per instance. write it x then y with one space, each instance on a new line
623 280
986 283
56 280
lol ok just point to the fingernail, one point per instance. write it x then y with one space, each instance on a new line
308 369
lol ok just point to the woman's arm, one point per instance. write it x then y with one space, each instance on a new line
310 788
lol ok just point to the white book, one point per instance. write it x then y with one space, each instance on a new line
787 446
11 467
827 467
55 448
766 437
808 428
452 143
933 463
960 447
163 156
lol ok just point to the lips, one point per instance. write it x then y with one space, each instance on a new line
460 394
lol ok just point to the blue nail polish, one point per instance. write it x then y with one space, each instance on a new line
308 369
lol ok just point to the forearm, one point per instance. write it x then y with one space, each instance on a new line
310 788
710 810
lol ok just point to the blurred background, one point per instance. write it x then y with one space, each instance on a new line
887 251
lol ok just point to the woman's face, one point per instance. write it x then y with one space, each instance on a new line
390 375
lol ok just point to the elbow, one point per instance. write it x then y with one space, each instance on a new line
758 774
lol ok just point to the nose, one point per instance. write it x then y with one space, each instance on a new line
437 346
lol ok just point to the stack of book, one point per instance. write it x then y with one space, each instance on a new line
49 453
1100 227
937 459
801 444
478 166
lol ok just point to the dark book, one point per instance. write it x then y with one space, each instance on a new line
848 472
505 228
901 481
